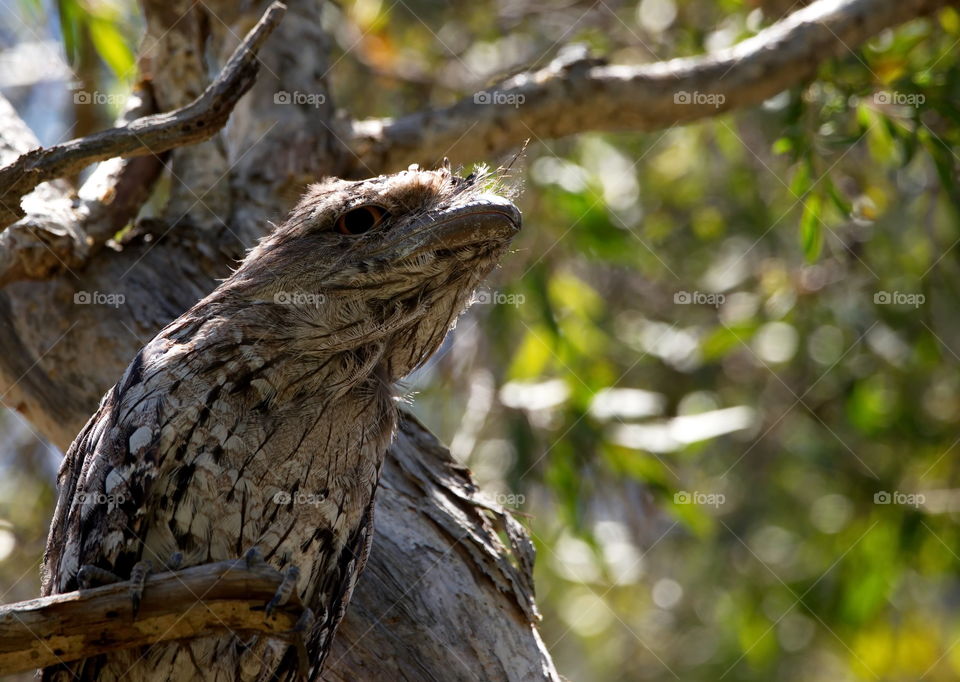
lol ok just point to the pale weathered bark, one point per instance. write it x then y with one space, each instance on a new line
442 596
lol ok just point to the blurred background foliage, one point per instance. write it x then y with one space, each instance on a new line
717 379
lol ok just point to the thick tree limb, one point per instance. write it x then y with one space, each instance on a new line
278 147
197 121
202 600
566 98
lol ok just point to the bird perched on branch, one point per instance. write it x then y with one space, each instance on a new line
259 418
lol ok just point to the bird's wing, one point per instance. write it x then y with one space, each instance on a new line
103 485
337 578
337 588
66 485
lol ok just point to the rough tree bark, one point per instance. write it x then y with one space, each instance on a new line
447 594
71 626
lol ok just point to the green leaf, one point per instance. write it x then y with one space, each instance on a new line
783 145
32 8
842 205
71 18
111 46
533 355
723 340
811 228
801 182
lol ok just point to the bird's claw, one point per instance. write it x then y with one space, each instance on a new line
253 557
173 563
90 576
138 578
93 576
299 635
285 590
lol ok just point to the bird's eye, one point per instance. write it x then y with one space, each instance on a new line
360 220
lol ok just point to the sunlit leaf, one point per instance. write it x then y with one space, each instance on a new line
112 47
811 227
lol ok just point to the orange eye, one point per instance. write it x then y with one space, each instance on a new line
360 220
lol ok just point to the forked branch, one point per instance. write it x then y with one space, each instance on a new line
197 121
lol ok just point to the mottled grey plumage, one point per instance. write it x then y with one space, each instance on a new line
260 417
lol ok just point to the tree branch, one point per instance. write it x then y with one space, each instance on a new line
196 122
573 97
224 596
62 231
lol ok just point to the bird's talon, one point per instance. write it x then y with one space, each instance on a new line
93 576
173 563
253 557
305 622
138 578
285 590
300 634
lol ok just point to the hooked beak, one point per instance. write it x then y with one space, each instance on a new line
488 218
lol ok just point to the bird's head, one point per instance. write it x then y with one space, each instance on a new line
379 267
